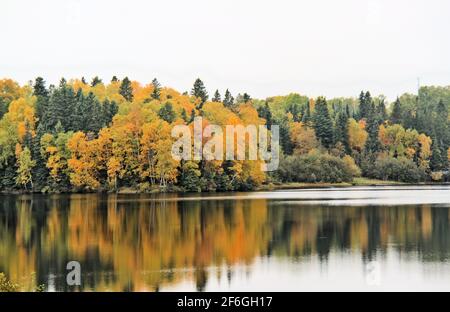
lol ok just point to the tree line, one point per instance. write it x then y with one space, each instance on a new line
97 136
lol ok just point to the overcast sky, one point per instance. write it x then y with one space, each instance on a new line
320 47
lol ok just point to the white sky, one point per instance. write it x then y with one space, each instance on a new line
320 47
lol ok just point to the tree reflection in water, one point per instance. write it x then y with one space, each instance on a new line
139 242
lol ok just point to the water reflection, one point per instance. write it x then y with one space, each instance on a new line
131 243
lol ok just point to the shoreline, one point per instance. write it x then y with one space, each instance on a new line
262 188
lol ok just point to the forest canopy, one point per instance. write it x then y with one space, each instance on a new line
104 136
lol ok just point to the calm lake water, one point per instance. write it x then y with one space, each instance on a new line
374 239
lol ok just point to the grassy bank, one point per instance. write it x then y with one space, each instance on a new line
356 182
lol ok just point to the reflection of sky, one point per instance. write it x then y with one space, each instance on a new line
341 272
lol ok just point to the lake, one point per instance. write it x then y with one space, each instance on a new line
337 239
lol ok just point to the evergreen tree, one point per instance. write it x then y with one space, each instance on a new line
228 100
306 117
217 97
381 111
126 89
156 93
114 79
184 115
372 145
323 125
438 158
246 98
396 115
95 81
264 112
199 91
365 103
285 139
341 134
39 172
42 94
3 107
39 88
167 113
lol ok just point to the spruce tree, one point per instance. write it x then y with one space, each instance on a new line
341 134
264 112
95 81
42 95
199 91
306 117
365 103
372 145
39 88
184 115
217 97
156 93
3 107
228 100
381 111
167 113
323 125
126 90
396 115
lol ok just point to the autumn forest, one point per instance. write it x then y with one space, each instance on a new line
81 136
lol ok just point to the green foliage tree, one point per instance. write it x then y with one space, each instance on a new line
199 91
126 89
217 97
167 113
341 133
156 93
228 100
323 125
396 115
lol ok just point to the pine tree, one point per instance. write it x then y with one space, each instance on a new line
228 100
264 112
114 79
246 98
323 125
184 115
95 81
438 159
341 134
167 113
217 97
3 107
396 115
306 117
39 88
199 91
381 111
365 102
372 145
126 90
156 93
39 172
42 94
